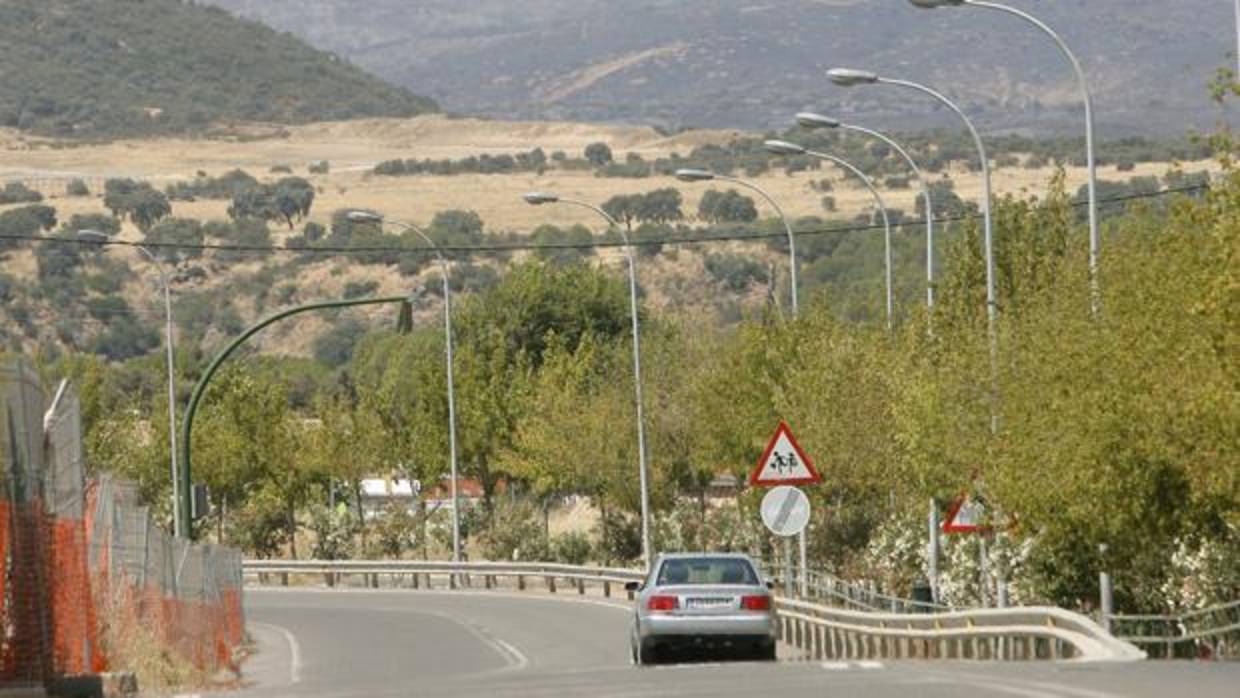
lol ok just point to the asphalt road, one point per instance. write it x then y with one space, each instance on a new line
410 643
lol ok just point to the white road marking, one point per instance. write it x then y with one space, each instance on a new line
294 651
531 596
520 661
845 666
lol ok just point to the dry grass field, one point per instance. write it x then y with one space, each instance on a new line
673 281
353 148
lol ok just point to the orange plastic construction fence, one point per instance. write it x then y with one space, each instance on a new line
73 607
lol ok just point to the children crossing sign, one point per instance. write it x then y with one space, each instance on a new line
784 463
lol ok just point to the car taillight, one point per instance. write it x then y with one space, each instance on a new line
756 603
662 603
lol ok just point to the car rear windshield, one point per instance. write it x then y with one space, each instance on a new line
707 571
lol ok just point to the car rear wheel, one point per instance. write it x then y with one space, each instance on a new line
646 655
765 653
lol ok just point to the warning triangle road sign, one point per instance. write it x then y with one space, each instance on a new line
784 463
967 515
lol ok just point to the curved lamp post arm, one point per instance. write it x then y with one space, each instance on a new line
191 410
611 221
992 305
882 208
792 240
925 193
1095 242
643 474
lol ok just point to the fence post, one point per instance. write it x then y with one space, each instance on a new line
1107 605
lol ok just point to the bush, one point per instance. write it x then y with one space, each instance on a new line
572 548
515 533
100 222
333 532
599 154
360 289
24 222
393 533
736 272
320 167
621 539
19 193
727 207
124 338
335 347
77 187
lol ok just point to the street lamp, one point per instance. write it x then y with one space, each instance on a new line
847 77
360 216
1095 240
543 198
786 148
178 525
690 175
811 121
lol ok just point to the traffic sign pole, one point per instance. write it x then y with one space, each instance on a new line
782 465
804 569
788 575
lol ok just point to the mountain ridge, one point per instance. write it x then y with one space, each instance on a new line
149 67
741 63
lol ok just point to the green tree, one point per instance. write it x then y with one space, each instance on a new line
176 240
598 154
727 207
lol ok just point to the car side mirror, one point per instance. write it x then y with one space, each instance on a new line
770 585
632 586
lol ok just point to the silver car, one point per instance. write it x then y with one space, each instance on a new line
697 603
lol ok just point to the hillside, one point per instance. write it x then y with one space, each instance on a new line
139 67
55 297
737 63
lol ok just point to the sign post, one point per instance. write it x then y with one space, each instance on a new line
786 509
968 515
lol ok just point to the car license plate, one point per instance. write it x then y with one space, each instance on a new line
709 604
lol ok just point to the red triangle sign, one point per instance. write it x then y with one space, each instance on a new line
966 515
784 463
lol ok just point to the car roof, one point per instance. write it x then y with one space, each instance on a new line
700 556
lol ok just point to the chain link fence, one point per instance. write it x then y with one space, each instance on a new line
88 583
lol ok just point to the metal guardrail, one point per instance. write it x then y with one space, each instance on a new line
1212 633
815 630
833 591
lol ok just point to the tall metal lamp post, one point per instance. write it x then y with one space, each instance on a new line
690 175
846 77
543 198
786 148
360 216
811 121
178 524
1095 241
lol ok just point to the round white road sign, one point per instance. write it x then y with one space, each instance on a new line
785 511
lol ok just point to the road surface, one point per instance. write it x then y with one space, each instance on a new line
427 643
